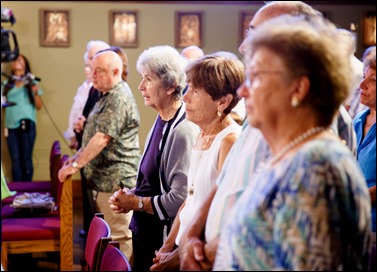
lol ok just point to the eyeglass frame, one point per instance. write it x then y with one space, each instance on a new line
249 82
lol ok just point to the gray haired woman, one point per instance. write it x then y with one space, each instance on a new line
162 177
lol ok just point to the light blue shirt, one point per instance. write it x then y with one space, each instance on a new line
23 108
366 153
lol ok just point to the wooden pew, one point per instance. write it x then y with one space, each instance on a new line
42 234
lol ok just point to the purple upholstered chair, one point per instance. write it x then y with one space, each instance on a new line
52 186
113 259
98 237
52 233
39 186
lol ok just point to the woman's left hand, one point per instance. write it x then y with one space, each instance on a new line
122 201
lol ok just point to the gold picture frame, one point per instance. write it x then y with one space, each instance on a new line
54 28
245 18
123 28
188 26
369 27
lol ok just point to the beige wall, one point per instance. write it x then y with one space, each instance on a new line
61 69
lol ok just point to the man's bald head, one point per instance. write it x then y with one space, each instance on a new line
192 52
277 8
106 70
110 59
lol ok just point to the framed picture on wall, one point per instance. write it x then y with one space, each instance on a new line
123 28
245 18
369 26
188 26
54 28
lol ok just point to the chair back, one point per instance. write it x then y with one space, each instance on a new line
59 184
55 148
55 156
98 237
113 259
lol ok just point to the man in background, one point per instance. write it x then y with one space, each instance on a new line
84 100
110 150
192 52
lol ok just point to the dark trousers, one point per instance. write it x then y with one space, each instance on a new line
145 243
88 204
20 146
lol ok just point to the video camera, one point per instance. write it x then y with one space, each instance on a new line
9 44
26 79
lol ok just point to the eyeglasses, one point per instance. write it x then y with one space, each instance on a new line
98 71
252 76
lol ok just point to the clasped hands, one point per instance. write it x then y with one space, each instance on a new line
166 259
122 201
78 125
196 255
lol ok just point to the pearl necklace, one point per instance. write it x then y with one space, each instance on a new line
295 142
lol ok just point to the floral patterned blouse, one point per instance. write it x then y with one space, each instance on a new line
309 212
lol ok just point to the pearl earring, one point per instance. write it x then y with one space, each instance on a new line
218 113
295 102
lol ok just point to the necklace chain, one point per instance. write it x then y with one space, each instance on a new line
295 142
208 136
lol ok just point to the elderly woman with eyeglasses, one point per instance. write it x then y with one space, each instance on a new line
308 207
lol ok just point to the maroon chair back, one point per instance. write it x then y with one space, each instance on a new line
55 164
55 149
98 237
113 259
55 179
52 186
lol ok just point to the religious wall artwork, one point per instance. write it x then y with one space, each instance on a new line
245 18
124 28
54 28
369 26
188 28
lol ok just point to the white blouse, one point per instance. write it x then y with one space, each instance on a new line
202 176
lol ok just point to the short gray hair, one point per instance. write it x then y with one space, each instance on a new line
167 64
98 43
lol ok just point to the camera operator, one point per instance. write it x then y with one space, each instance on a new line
22 89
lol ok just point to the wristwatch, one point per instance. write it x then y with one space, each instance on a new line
141 204
75 165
